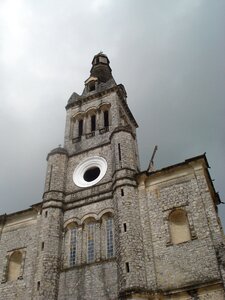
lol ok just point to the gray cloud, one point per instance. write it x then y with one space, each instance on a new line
168 54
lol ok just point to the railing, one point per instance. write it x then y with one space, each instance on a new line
77 139
89 135
104 130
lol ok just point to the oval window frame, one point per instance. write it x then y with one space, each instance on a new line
82 167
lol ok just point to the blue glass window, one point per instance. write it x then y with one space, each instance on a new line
109 234
90 242
73 246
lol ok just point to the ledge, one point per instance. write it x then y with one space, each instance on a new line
99 262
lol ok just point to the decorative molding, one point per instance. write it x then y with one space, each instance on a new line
84 166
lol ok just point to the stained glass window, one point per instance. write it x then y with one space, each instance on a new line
109 234
73 246
90 242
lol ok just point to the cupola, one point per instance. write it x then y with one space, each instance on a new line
100 58
100 67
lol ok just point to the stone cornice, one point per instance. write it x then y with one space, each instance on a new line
119 89
85 202
89 149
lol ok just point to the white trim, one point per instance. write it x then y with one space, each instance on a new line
94 161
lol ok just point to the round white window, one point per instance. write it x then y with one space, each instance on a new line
90 171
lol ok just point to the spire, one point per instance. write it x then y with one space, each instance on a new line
100 79
100 67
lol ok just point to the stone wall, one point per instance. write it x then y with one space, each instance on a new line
20 232
95 281
193 262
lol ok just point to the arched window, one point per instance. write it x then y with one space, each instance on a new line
90 242
91 234
71 239
73 246
14 268
106 118
107 235
93 123
179 226
91 86
80 127
109 238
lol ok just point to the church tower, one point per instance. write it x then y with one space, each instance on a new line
91 187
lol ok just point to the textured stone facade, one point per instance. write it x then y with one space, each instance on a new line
132 234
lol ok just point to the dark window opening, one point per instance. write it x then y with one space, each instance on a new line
127 267
42 246
125 227
46 214
122 192
38 285
93 123
91 86
119 150
91 174
80 128
106 118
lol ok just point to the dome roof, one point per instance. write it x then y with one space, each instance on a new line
97 59
58 150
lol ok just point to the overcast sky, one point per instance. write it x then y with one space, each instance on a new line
168 54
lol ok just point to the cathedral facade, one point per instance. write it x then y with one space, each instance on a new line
106 230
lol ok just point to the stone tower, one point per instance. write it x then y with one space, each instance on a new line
105 230
97 166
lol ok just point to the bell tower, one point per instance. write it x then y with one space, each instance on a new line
101 132
96 171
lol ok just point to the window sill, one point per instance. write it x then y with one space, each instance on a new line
76 140
12 281
104 130
102 261
89 135
181 243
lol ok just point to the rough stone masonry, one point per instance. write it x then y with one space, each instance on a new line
106 230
